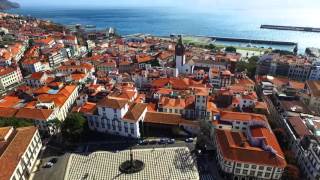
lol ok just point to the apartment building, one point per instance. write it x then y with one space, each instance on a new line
32 65
311 97
246 146
9 76
315 70
41 105
117 117
293 67
19 150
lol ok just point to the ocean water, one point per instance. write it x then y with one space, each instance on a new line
238 23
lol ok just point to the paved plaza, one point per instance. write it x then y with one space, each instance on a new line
160 164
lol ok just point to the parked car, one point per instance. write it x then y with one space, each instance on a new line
53 160
189 140
143 142
152 142
163 141
47 165
171 141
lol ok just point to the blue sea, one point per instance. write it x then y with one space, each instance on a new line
237 23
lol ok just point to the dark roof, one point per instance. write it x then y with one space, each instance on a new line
314 87
295 106
298 127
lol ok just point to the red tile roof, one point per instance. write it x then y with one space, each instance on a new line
235 146
135 111
12 155
37 75
5 71
7 112
112 103
162 118
241 116
34 114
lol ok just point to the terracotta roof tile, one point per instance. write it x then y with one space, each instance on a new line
236 147
12 155
135 111
241 116
162 118
112 103
34 114
7 112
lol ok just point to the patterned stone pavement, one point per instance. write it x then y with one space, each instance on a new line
160 164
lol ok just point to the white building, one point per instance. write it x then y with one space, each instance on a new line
246 146
9 76
19 152
55 59
32 66
118 117
36 79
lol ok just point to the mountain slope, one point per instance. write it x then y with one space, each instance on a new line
6 4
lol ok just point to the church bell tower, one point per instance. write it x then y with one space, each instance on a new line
180 57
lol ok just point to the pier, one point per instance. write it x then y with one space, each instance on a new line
254 41
291 28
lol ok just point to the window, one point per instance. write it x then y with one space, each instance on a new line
237 171
245 171
259 173
238 165
114 124
246 165
119 126
267 175
132 130
254 166
261 167
252 173
269 168
102 124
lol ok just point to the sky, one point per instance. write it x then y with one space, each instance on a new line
191 4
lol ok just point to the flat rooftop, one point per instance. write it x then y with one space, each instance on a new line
162 163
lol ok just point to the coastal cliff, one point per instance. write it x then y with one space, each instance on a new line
6 5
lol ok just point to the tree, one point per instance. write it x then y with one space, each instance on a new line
55 124
283 52
73 127
210 46
231 49
15 122
249 67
